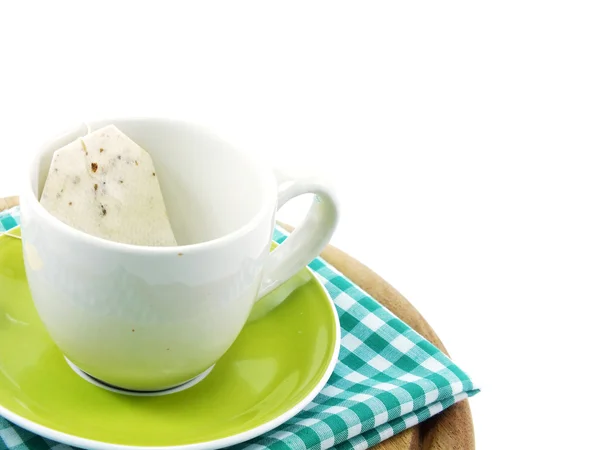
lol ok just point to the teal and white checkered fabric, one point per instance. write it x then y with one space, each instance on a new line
10 219
388 378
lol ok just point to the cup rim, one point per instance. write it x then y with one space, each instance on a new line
266 175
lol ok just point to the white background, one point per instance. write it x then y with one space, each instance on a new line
463 138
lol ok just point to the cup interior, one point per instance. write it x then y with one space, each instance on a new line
210 188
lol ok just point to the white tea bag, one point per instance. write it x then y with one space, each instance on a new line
104 184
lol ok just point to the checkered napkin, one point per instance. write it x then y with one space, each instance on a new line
388 378
9 219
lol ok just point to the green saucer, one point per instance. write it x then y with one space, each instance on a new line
278 364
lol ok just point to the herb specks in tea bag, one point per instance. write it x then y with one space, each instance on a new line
105 184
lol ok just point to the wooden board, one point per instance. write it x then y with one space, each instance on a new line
449 430
8 202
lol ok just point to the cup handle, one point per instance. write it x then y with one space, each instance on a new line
308 240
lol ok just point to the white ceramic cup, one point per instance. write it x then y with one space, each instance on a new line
150 318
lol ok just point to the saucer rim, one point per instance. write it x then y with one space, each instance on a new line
92 444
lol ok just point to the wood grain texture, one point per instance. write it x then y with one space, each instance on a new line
449 430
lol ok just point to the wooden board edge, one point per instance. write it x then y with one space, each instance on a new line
451 429
8 202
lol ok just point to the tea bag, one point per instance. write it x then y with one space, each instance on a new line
105 184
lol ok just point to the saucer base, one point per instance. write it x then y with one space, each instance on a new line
109 387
